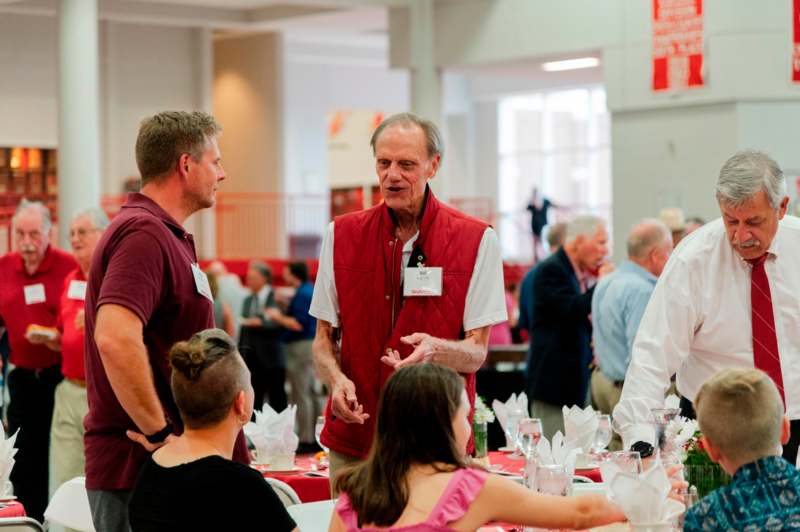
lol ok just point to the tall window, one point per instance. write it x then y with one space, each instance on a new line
558 143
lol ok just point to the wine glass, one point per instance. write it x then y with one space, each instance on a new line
318 431
602 437
627 461
529 432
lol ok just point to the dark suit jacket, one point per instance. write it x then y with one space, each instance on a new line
561 334
260 346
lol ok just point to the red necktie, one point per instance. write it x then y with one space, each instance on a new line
765 341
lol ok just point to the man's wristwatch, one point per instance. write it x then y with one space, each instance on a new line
161 435
644 449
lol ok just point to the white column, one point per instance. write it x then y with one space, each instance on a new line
426 78
79 111
203 224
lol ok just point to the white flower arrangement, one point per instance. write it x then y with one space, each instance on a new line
677 435
483 414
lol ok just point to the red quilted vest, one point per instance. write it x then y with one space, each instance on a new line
367 259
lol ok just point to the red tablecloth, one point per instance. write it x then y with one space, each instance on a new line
507 464
12 509
308 488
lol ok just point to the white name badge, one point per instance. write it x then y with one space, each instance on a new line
77 290
421 282
201 282
34 293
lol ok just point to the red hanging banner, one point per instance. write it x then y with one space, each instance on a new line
796 41
678 44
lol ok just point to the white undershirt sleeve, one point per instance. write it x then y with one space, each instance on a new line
486 301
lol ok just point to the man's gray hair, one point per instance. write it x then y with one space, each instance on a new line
585 225
98 217
433 138
747 173
645 235
27 205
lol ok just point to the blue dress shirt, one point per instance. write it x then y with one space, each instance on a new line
617 308
763 495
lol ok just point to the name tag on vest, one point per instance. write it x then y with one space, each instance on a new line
422 282
34 293
77 290
201 282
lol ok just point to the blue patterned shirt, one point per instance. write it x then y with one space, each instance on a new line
763 495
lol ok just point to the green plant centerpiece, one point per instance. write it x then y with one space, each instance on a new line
700 471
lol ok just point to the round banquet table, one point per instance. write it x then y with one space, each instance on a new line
309 488
504 463
11 509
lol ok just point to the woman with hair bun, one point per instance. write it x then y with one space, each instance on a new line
191 483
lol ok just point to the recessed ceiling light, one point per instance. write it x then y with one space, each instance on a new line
570 64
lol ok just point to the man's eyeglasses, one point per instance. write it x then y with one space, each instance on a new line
81 233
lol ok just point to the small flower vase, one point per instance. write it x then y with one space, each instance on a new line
481 437
706 477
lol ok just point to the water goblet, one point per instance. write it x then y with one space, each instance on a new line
602 437
529 432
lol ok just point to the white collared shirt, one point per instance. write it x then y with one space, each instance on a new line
485 304
698 321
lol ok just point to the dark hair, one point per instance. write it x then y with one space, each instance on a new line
164 137
414 426
208 374
299 270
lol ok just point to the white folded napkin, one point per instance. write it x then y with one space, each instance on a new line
580 426
642 498
273 434
7 452
672 401
559 452
515 404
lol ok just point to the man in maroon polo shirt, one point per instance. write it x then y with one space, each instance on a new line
32 278
145 292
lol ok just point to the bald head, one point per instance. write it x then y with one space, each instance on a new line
649 245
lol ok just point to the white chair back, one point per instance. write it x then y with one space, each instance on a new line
20 524
312 516
70 506
285 493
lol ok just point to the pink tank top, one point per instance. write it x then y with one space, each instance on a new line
454 502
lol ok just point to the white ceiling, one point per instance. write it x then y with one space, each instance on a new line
298 16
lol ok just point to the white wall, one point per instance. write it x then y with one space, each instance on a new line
144 69
320 79
667 147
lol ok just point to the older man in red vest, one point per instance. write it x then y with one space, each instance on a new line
408 281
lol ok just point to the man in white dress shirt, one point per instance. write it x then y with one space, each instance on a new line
729 297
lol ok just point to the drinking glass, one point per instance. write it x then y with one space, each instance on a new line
627 461
603 435
553 479
529 432
514 417
318 431
661 418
